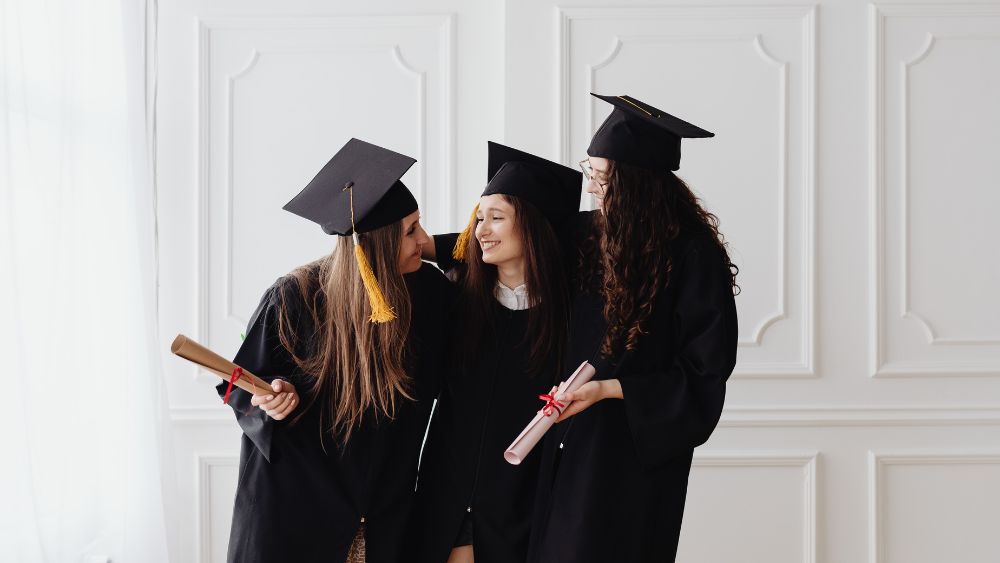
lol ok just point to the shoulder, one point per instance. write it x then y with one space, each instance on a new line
429 284
290 290
287 296
428 274
698 254
699 245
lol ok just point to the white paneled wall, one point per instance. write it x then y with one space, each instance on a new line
280 96
767 54
770 507
935 84
853 172
934 506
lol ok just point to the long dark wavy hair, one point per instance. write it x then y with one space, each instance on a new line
545 278
629 253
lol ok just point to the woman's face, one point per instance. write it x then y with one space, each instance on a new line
496 231
414 239
598 183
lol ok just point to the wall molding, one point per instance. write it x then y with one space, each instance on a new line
931 40
880 459
441 24
879 366
935 369
194 416
868 416
395 59
806 15
804 460
750 416
204 464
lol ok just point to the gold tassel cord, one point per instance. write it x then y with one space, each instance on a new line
381 311
458 253
636 106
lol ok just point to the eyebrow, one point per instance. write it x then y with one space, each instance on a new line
491 209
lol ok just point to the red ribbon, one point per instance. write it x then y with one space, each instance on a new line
237 374
551 404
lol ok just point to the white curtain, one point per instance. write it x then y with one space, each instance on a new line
85 464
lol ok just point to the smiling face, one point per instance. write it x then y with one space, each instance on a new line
413 240
497 232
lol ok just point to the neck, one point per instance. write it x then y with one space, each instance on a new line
511 274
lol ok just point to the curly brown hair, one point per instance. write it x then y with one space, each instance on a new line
645 212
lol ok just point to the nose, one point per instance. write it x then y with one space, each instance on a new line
482 230
593 187
422 237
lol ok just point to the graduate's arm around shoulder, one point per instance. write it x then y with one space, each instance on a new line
441 251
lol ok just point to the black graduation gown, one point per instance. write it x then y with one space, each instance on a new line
614 477
297 502
463 474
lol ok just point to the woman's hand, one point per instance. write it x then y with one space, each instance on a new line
588 394
279 404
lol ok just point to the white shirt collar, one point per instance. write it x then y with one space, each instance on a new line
515 299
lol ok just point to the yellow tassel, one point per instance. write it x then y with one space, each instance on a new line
458 253
381 311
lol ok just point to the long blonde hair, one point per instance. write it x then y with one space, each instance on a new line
357 365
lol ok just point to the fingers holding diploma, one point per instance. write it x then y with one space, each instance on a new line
588 394
279 404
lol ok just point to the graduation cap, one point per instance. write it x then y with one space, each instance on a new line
637 133
356 192
552 188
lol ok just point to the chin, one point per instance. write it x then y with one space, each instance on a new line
498 260
412 266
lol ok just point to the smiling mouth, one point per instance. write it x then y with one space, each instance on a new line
489 244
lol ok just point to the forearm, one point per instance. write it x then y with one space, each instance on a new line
611 389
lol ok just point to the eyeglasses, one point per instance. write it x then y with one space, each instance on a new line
588 173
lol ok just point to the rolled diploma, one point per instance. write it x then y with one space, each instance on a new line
539 425
198 354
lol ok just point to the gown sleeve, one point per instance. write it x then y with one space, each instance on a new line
673 411
263 354
443 245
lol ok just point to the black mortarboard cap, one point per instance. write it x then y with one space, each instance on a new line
636 133
373 174
551 187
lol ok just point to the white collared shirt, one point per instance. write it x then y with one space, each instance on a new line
514 299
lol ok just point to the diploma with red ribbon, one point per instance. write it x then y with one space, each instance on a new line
547 415
234 374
